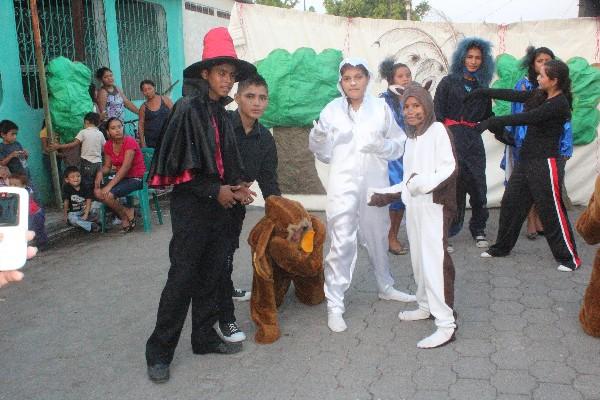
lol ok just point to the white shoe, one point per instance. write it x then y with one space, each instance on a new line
564 268
439 338
393 294
485 254
336 322
450 248
481 242
414 315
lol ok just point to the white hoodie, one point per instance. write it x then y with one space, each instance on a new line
347 133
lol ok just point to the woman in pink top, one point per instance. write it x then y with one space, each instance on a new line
124 154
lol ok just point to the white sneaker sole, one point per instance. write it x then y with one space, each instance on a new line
562 268
235 338
482 244
246 297
485 254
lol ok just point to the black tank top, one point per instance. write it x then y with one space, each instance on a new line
153 122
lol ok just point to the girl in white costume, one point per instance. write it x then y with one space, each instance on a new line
356 135
429 192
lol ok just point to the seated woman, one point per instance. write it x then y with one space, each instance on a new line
123 153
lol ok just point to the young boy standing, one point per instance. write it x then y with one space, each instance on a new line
77 201
92 141
199 156
259 155
12 154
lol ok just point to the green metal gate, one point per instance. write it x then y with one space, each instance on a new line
71 28
143 45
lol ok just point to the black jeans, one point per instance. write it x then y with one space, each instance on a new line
197 253
226 307
88 172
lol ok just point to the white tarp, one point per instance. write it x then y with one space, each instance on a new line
257 30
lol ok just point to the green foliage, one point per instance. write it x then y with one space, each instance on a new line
300 85
586 96
68 84
390 9
278 3
509 71
585 87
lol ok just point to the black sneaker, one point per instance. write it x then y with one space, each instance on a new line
158 373
481 241
240 295
229 332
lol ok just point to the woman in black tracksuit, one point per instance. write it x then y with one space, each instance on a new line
538 175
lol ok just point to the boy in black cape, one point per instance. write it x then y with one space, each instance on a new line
198 155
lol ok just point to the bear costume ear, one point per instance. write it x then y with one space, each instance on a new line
258 240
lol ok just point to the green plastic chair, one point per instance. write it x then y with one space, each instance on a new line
143 197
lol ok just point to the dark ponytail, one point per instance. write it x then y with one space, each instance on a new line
388 68
556 69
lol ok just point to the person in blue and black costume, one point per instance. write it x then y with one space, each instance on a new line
472 68
398 76
533 62
538 176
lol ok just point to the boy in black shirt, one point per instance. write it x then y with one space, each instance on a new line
197 154
77 201
259 156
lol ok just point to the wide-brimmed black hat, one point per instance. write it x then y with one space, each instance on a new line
219 49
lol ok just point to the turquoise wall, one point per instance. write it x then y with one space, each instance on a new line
12 102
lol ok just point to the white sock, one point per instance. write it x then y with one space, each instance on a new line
393 294
439 338
413 315
336 322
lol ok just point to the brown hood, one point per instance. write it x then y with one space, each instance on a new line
424 98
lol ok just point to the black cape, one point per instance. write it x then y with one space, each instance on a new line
187 143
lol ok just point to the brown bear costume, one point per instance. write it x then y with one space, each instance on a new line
286 245
588 226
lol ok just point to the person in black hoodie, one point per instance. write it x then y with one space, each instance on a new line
197 153
538 176
472 67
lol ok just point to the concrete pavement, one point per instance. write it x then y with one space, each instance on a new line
77 326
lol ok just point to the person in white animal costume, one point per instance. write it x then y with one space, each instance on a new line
356 135
429 193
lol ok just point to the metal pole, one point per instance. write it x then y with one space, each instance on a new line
408 9
39 58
